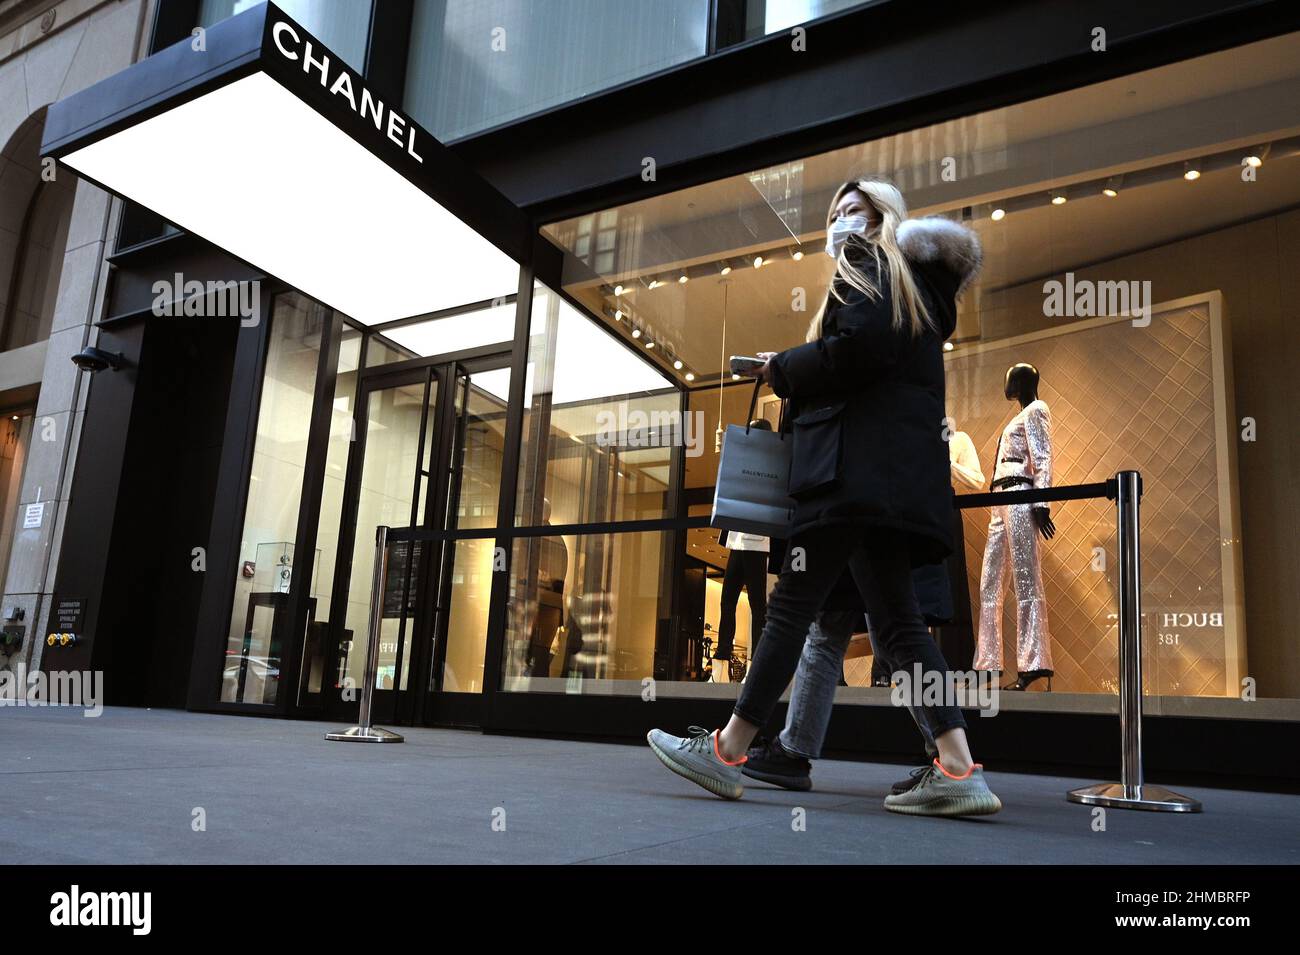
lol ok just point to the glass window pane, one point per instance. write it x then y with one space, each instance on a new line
342 25
475 64
601 424
473 503
587 611
388 487
316 653
259 627
763 17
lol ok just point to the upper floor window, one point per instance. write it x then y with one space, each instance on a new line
475 64
342 25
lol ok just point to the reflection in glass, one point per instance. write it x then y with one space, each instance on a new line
342 25
395 420
588 607
472 502
601 425
474 65
316 651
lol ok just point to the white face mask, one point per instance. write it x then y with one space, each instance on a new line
840 230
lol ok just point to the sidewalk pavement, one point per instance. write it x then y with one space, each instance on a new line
128 786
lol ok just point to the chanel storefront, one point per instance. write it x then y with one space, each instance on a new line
530 391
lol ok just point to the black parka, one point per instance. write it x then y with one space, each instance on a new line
867 402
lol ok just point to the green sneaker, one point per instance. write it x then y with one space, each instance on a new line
938 793
696 758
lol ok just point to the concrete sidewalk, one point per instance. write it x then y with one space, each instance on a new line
124 788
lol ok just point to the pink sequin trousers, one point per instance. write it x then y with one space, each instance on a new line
1012 551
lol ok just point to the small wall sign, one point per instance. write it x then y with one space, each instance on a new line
33 515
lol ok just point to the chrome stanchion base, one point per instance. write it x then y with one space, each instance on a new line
1146 796
365 734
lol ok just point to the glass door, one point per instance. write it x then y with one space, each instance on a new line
388 480
466 572
427 454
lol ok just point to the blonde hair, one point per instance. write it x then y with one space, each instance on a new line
906 303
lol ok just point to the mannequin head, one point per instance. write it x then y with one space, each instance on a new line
1021 383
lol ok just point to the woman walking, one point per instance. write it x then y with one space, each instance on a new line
870 480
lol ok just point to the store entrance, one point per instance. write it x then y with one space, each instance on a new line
427 453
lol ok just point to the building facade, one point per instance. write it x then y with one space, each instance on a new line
56 234
545 431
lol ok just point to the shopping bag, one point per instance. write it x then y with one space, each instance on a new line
751 494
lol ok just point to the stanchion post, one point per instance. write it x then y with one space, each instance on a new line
1131 792
363 732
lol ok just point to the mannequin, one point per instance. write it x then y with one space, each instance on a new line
1024 460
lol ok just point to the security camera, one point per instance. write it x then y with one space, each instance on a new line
94 359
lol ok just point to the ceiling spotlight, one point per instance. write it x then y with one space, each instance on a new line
654 283
636 333
690 376
997 215
947 346
618 290
1109 193
618 315
735 377
649 344
726 268
758 261
682 278
1254 160
1191 171
797 255
1058 198
1111 189
677 364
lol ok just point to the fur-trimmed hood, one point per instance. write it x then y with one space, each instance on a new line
948 243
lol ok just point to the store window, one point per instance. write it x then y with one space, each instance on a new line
1136 235
474 65
259 627
602 424
316 649
16 427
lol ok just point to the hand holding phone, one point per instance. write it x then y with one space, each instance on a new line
747 365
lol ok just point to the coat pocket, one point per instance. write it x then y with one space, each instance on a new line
817 458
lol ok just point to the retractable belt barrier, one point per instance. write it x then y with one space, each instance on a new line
1125 489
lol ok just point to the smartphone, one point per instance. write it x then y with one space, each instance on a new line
744 365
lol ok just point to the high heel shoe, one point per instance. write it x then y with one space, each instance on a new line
1023 680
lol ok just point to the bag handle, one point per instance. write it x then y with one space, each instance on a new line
753 406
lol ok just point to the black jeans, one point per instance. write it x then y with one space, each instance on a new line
747 568
813 563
